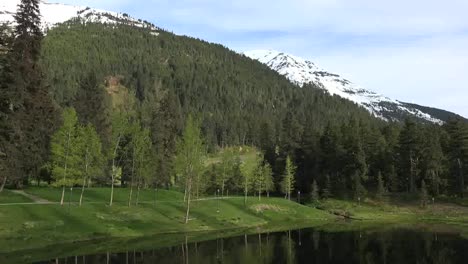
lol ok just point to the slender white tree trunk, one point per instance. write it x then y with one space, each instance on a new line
138 194
222 188
65 168
189 187
198 186
85 176
131 184
3 183
82 190
112 185
114 170
185 192
245 192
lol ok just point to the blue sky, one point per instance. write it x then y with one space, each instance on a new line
414 51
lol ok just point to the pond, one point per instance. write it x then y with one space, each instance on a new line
396 245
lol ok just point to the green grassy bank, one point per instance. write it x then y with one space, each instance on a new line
33 220
28 226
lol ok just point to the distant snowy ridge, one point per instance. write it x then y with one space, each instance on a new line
53 14
301 72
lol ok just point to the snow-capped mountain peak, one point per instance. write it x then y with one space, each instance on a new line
54 13
301 72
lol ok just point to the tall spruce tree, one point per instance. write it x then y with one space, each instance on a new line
380 187
7 148
409 153
458 153
314 192
93 106
31 112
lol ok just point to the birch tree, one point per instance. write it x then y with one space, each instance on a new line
190 158
263 179
119 128
89 152
141 155
248 169
287 185
225 169
63 148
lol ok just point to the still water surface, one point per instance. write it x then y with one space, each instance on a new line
300 246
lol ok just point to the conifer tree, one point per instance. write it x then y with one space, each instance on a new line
410 154
314 193
380 187
30 112
393 179
268 175
93 106
423 194
327 191
458 153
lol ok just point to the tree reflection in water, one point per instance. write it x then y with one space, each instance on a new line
300 246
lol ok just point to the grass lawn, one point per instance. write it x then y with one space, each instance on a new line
24 227
397 211
8 196
39 225
103 194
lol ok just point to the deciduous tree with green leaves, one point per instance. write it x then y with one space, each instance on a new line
120 121
190 158
263 179
64 151
141 159
287 184
248 168
226 166
89 155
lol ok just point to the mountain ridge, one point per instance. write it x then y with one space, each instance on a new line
302 72
296 69
53 14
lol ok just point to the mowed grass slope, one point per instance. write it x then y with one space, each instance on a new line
8 196
97 195
38 225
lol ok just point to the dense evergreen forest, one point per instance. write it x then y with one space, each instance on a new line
126 93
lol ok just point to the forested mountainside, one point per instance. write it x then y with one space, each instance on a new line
116 75
235 96
239 101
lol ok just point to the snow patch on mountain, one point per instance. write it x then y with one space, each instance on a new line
301 72
53 14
